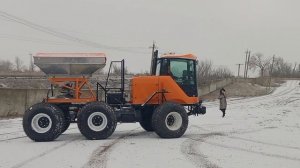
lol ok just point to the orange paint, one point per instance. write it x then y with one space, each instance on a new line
184 56
76 90
143 87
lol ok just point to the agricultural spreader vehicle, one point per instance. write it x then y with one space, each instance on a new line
160 102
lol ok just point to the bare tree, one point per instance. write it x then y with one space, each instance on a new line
258 61
295 69
19 64
282 68
298 71
6 66
117 69
221 72
206 72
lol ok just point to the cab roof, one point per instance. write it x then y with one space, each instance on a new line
183 56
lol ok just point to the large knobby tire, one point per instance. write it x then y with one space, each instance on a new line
66 116
96 121
66 122
170 120
146 119
43 122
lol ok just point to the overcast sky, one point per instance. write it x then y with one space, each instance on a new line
216 30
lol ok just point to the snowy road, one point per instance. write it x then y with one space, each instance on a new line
258 132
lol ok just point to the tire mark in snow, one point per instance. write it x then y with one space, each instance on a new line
250 151
21 164
241 131
19 137
13 138
264 143
6 133
212 125
229 135
9 139
100 156
189 149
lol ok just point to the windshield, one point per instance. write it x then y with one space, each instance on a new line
182 71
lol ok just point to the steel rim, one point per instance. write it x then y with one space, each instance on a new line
97 121
173 121
41 123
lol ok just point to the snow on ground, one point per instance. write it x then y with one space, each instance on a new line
256 132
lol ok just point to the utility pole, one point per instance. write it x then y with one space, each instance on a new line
271 71
272 64
31 66
239 66
153 47
248 63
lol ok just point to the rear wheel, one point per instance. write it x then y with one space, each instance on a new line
146 119
170 120
67 122
66 118
97 121
43 122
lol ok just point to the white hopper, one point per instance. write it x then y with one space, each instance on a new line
69 64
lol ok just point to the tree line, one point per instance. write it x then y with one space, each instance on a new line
7 66
207 72
274 66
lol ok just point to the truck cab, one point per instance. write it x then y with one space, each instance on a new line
182 68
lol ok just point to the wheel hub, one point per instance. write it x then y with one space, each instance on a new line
170 120
43 122
97 120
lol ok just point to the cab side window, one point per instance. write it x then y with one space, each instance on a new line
164 67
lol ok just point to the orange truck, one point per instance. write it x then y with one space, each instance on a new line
160 102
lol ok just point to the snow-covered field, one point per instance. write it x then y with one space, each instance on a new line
258 132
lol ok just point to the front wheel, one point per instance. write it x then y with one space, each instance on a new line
97 121
170 120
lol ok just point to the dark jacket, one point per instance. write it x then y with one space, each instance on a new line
223 102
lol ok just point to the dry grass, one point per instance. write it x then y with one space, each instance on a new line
240 89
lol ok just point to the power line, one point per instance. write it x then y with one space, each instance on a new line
29 39
58 34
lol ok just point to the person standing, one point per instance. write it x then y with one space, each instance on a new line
223 102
